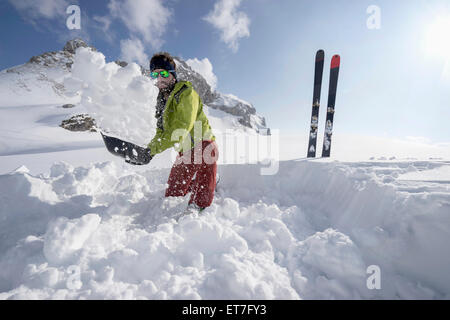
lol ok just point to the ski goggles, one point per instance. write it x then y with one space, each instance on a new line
163 73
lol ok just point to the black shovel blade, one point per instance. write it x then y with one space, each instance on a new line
115 146
127 150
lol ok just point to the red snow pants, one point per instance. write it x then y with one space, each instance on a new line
201 162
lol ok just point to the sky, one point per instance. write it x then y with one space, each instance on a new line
395 55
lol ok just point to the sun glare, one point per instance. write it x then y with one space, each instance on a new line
437 38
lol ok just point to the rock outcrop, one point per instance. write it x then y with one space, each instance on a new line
80 122
72 45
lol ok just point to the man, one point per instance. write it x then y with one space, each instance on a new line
182 124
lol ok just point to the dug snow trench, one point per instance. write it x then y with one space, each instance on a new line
308 232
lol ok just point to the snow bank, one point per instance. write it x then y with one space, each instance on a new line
310 232
64 237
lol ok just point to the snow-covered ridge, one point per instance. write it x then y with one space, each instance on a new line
41 79
310 232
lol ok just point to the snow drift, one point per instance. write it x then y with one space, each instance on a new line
309 232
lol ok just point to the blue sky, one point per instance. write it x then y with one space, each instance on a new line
394 81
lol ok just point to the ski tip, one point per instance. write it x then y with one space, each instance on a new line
320 55
335 61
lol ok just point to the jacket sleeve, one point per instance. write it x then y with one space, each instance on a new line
182 117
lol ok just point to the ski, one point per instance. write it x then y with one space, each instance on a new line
334 74
318 73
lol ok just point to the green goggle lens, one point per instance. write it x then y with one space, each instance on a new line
163 74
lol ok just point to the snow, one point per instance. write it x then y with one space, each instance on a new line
31 82
77 223
205 68
121 100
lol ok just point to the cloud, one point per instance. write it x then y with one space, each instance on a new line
132 50
51 16
146 18
205 68
44 9
103 23
232 24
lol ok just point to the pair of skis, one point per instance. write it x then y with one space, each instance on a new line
318 73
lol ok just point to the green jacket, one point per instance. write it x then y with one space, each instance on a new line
183 109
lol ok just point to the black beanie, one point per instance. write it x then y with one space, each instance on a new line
161 62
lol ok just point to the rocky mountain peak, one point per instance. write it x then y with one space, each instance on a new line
72 45
62 58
